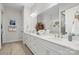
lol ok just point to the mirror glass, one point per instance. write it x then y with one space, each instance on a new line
50 19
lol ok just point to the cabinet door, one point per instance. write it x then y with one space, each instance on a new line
50 46
43 47
52 52
38 47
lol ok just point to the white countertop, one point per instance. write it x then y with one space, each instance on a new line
74 44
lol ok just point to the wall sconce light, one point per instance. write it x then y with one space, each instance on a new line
77 15
33 14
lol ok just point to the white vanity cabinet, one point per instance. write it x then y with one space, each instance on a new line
36 47
53 48
40 46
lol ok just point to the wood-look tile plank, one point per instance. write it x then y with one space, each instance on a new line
15 48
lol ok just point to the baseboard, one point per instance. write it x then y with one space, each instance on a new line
11 41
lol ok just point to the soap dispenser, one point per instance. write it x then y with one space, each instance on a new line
70 36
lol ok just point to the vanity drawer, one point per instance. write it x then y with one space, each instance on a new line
52 52
55 47
43 47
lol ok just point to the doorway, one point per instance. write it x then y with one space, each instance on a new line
1 27
1 33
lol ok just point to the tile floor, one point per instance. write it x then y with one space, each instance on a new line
15 48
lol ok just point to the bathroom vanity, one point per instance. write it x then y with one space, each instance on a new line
58 19
50 45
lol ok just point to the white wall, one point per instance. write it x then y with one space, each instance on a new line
0 25
29 21
10 13
1 10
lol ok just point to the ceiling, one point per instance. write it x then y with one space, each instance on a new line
35 7
18 6
38 7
